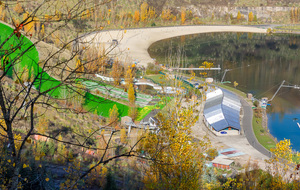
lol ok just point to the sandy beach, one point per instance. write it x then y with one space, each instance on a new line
132 44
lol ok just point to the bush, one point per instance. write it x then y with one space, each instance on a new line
152 69
212 153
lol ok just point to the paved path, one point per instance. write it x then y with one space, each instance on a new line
248 129
246 142
134 43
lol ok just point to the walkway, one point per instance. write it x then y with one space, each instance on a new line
134 43
248 129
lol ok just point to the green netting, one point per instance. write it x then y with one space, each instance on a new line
27 57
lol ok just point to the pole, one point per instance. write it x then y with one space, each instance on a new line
277 90
224 74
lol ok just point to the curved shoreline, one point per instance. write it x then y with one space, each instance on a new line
133 44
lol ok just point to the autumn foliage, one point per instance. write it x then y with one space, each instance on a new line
177 159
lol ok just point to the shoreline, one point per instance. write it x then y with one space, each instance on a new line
264 120
132 45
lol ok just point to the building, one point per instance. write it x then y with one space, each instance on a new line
222 112
222 162
150 121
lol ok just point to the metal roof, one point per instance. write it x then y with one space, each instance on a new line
222 110
222 160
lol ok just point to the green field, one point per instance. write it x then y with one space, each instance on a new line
262 135
160 80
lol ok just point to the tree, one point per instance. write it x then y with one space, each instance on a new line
129 76
113 116
79 65
151 13
133 112
33 76
144 11
131 94
166 15
250 17
255 18
18 8
123 136
136 17
178 164
292 15
296 13
283 164
183 15
116 72
239 16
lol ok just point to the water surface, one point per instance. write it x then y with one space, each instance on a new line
258 62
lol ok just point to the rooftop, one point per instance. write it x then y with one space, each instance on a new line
222 110
222 160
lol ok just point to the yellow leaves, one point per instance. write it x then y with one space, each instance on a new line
8 161
235 84
179 157
131 96
239 15
47 179
144 11
25 166
250 17
17 139
28 140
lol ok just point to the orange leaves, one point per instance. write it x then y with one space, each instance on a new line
136 17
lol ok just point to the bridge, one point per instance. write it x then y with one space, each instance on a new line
199 68
155 86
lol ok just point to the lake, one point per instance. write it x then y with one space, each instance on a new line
258 62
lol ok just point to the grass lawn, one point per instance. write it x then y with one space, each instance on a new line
160 79
288 27
237 91
262 134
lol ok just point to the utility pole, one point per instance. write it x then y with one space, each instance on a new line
225 74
